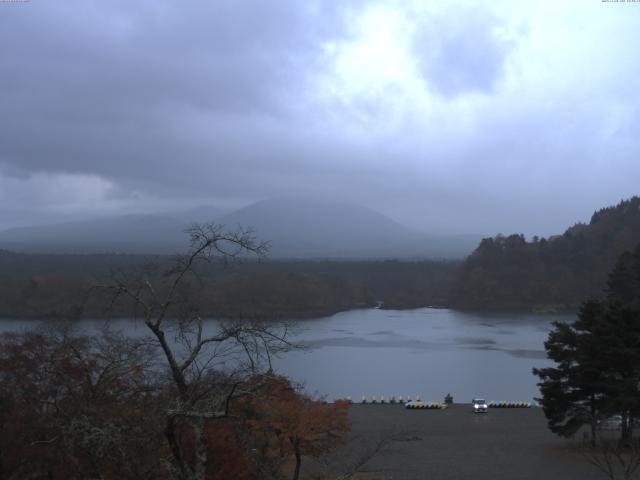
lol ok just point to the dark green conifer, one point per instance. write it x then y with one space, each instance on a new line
597 372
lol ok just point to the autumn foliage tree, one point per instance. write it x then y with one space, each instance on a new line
78 407
191 400
285 423
74 406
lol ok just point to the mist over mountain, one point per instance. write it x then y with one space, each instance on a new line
295 228
200 214
136 233
144 233
312 228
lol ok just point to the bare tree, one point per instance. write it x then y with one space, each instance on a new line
614 458
355 456
207 361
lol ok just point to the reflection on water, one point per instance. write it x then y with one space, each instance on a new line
426 352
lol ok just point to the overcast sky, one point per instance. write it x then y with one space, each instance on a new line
476 117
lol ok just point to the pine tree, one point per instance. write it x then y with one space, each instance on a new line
572 393
597 358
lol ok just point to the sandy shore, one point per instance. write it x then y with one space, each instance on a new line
457 444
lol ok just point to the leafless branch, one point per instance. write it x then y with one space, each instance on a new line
614 458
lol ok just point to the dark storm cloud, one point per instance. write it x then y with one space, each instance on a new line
494 118
116 88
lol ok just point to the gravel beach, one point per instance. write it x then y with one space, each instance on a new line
457 444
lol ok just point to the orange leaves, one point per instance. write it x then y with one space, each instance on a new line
82 407
228 458
296 421
69 407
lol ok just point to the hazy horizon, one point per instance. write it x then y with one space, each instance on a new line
456 118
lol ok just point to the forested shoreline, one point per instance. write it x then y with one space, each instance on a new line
504 273
67 286
548 274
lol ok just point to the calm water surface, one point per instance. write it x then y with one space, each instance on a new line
426 352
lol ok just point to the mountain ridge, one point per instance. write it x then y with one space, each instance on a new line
295 227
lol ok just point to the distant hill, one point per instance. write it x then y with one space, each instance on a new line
303 228
122 234
296 228
200 214
133 233
548 274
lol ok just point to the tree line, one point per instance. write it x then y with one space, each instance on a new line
60 286
191 400
510 272
504 272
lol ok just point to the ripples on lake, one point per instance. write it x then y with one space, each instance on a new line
426 352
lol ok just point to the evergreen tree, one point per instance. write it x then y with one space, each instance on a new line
597 357
558 273
572 392
623 285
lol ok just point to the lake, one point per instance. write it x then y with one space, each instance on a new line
426 352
